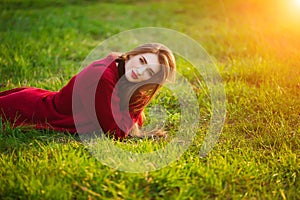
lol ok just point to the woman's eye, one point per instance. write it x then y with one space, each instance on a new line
142 61
151 72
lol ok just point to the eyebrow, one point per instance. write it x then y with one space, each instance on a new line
145 61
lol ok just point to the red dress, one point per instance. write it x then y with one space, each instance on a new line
87 103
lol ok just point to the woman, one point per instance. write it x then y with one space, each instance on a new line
111 92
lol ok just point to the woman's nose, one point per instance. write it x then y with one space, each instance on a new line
141 70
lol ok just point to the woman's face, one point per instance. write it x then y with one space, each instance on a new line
141 67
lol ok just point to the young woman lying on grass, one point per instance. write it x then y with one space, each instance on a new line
118 107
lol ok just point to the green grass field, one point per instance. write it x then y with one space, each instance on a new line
256 48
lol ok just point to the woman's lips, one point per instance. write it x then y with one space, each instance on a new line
133 75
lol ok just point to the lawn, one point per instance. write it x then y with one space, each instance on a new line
255 46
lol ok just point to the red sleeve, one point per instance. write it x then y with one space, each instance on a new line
112 120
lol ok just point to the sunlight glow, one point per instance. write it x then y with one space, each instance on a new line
293 15
289 13
297 3
284 14
295 9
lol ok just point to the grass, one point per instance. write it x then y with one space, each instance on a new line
257 54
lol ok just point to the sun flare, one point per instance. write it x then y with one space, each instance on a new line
297 3
289 13
295 9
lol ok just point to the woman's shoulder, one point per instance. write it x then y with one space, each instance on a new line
111 71
106 61
104 68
